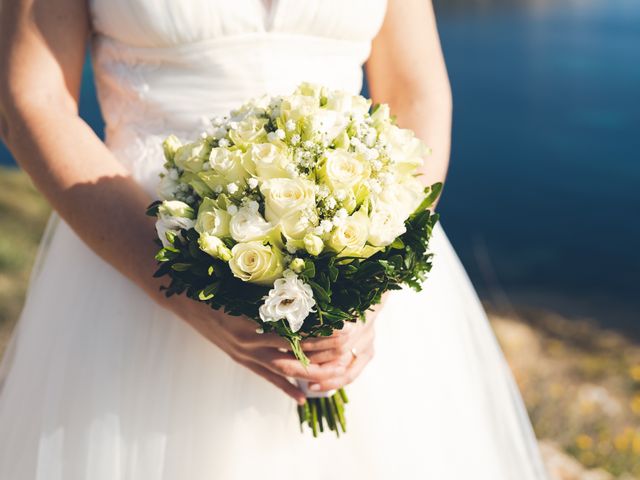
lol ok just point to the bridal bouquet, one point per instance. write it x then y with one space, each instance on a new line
299 212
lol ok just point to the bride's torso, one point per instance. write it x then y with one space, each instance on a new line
163 66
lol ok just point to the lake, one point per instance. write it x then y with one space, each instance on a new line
542 198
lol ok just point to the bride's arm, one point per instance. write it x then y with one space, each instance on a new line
42 48
406 69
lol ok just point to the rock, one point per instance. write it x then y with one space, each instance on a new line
564 467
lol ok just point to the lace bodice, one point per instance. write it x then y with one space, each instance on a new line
163 66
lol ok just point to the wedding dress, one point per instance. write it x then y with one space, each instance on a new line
101 383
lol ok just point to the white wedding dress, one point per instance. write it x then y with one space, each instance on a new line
100 383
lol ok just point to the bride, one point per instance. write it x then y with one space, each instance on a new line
105 378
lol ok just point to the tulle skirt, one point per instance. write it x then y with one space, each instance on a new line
99 382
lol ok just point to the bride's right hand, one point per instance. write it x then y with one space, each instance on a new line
261 353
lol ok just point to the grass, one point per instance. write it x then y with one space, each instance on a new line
23 215
581 383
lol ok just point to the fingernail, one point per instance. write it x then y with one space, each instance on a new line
314 387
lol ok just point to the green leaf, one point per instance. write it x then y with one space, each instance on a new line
181 267
320 293
309 269
333 273
152 210
432 192
208 292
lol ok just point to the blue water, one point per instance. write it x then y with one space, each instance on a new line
542 198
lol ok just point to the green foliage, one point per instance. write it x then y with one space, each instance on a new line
344 287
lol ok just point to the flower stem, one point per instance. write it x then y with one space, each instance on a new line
322 412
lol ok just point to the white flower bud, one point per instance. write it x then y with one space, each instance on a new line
313 244
297 265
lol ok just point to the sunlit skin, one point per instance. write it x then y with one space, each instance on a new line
42 50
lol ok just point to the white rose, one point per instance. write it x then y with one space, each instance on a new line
212 220
215 247
173 216
247 224
283 196
290 299
350 236
385 225
228 164
191 157
256 263
266 161
343 170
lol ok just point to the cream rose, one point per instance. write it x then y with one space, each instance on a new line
295 225
384 225
328 123
247 224
256 263
347 103
228 165
249 131
267 161
192 156
350 236
405 196
405 149
298 107
282 196
212 220
343 170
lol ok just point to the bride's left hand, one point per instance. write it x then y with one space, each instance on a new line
352 347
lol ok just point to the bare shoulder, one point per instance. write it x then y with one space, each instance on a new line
42 39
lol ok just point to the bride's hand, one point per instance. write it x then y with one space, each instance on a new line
260 353
352 347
